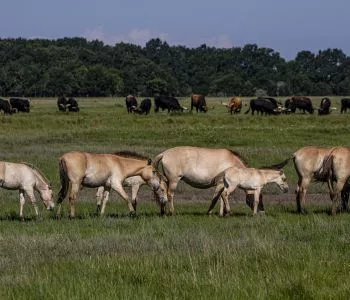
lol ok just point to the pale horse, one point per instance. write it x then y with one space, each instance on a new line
83 169
26 178
198 167
248 179
330 165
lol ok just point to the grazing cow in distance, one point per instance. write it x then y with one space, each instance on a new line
345 104
198 101
167 102
131 103
5 105
262 105
301 102
234 105
144 108
61 103
71 104
325 107
20 104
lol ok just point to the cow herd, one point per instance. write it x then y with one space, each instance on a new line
260 105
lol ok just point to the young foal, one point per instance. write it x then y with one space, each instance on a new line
248 179
26 179
108 170
135 182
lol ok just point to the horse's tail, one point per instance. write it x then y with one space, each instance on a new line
64 181
157 160
325 173
280 165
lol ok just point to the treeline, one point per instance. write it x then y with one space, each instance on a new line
77 67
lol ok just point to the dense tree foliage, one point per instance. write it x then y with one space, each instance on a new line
77 67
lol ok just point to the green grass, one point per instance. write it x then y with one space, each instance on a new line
281 255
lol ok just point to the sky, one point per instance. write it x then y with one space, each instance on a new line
285 26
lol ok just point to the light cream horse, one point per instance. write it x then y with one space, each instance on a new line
330 165
196 166
135 182
108 170
26 178
248 179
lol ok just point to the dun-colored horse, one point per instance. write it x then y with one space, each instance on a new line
248 179
108 170
26 178
331 165
135 182
196 166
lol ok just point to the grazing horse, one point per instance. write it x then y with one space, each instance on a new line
196 166
135 182
248 179
26 178
331 165
108 170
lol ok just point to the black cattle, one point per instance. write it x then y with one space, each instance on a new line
5 106
198 101
72 105
144 107
20 104
61 103
263 106
301 102
345 104
131 103
167 102
325 107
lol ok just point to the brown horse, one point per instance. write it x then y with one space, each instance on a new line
108 170
331 165
248 179
198 167
26 178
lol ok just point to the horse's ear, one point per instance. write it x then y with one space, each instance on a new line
149 161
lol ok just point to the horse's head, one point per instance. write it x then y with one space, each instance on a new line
47 197
281 181
158 183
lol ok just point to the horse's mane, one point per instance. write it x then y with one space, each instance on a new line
235 153
131 154
34 168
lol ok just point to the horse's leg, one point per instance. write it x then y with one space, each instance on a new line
105 200
217 194
303 183
134 190
224 203
117 186
30 194
256 201
335 195
171 191
73 197
22 200
99 195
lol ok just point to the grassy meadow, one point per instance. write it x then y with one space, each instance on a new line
281 255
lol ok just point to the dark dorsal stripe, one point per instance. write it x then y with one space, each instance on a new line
131 154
